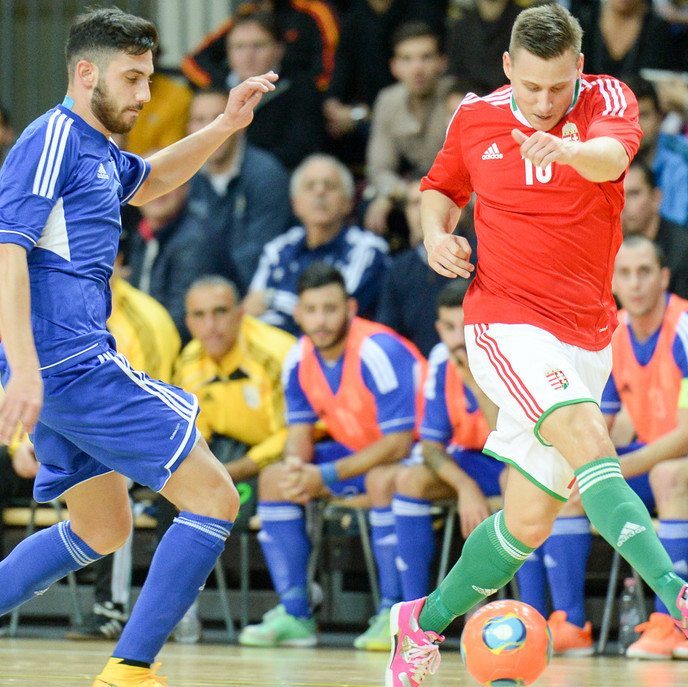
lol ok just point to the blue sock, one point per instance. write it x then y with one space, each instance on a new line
674 537
566 560
532 582
180 567
286 548
415 544
384 540
38 561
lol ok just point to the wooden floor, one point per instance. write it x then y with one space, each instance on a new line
56 663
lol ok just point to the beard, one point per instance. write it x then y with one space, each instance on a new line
337 337
107 114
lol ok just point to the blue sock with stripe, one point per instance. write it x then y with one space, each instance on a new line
532 582
286 548
674 537
566 561
384 540
415 544
185 556
39 561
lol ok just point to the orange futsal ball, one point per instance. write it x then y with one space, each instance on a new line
506 644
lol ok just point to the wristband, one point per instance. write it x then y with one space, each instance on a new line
328 472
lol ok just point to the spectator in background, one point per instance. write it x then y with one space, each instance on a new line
310 31
241 195
361 68
164 119
170 249
625 36
409 121
410 284
477 36
365 382
289 123
666 154
234 364
6 133
641 216
322 191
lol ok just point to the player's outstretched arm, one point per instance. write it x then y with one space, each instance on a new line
24 393
448 255
597 160
177 163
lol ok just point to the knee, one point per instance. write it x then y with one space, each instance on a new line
269 483
532 532
413 482
106 540
223 499
669 479
380 485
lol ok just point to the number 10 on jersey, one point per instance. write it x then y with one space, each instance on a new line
542 174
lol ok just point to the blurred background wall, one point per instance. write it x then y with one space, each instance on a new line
32 35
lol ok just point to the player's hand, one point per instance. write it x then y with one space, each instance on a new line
542 148
472 505
22 403
449 255
244 98
24 460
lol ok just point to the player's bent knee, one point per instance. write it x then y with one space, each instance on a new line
269 479
532 532
414 481
222 501
105 540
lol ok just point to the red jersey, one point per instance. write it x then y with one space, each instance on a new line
547 238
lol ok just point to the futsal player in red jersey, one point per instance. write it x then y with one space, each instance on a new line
545 157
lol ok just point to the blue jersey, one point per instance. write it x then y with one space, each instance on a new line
389 371
643 351
61 188
437 425
359 255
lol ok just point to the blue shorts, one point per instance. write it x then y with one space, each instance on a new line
101 415
485 470
640 483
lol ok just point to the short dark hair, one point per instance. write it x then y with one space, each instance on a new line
546 31
266 20
109 30
646 170
643 89
452 295
632 240
415 29
320 274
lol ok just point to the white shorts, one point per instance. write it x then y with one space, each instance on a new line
527 372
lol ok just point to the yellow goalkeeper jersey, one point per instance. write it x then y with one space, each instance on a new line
241 396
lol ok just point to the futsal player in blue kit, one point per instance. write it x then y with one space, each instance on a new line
93 419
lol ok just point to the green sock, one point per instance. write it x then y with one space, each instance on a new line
490 558
622 519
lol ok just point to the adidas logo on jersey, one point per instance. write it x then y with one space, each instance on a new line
102 174
492 153
629 530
